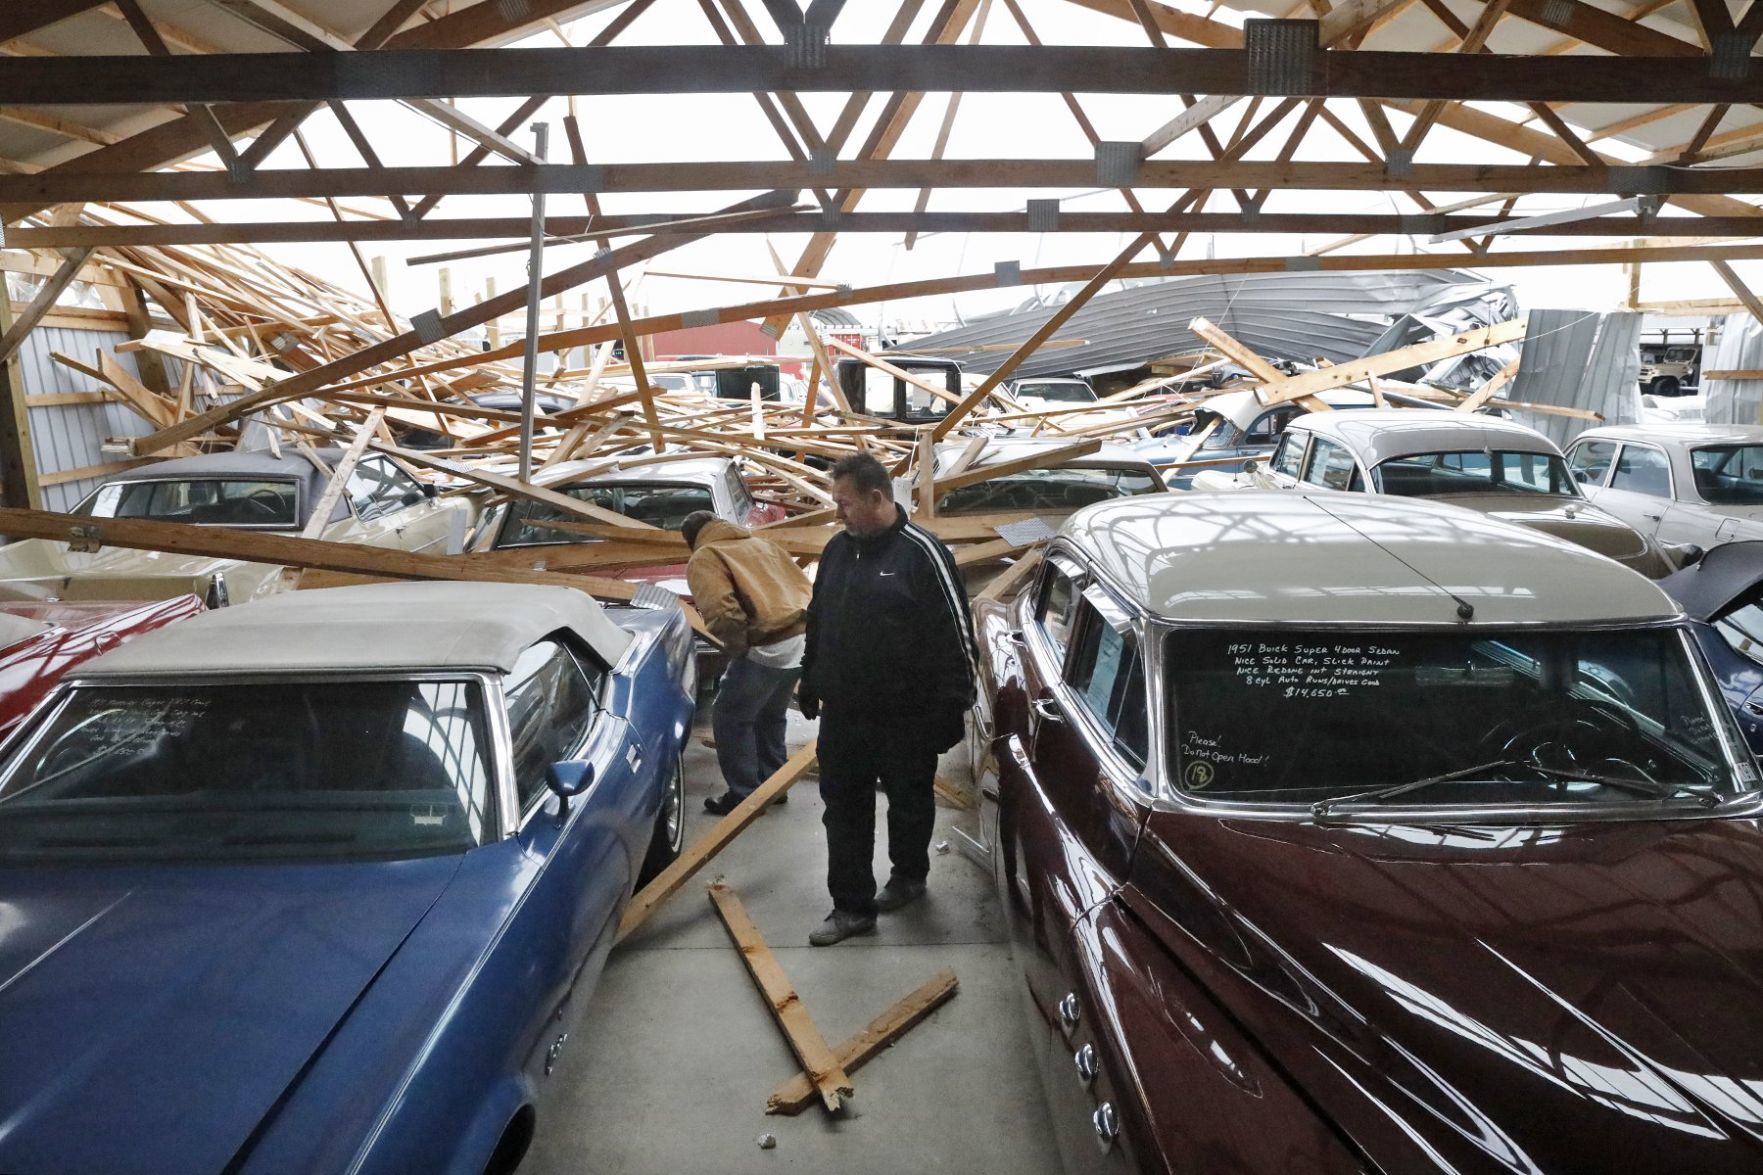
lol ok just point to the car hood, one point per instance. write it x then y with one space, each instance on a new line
1522 999
39 568
177 1005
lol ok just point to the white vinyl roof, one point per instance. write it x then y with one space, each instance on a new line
375 626
1688 433
1275 556
1378 434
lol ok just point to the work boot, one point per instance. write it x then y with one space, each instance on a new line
723 804
897 893
840 925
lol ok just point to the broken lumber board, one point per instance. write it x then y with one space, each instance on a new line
823 1070
957 797
1486 391
216 542
1040 460
1011 576
1308 383
509 485
1244 357
984 552
796 1094
700 851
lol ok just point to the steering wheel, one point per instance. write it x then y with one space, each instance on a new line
265 502
1567 737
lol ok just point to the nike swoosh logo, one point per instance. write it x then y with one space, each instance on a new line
885 574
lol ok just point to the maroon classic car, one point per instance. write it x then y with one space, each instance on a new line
40 642
1349 834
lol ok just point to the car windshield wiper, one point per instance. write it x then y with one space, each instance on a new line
1646 787
1322 808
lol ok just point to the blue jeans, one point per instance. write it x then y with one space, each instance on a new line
748 718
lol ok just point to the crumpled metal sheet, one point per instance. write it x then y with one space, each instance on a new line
1579 359
1292 316
1735 401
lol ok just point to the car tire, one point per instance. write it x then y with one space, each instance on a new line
670 828
1666 385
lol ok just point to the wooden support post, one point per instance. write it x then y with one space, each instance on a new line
19 486
148 363
798 1093
823 1069
698 854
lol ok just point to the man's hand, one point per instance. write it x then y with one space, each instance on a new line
808 704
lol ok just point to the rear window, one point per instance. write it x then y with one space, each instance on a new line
238 770
1054 490
205 501
659 504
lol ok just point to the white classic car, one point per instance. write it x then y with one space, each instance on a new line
1679 483
1495 467
382 505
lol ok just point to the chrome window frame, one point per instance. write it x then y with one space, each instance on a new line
498 753
1172 798
301 505
1303 436
1141 787
1616 447
1670 470
602 711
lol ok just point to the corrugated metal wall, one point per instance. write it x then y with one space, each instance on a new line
70 436
1579 359
1730 401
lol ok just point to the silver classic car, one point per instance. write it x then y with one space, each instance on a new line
1680 483
1495 467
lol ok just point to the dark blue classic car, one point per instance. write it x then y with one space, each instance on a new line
1723 595
319 884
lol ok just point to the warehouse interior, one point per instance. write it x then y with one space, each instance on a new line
369 783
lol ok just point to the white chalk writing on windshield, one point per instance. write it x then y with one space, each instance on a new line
1308 669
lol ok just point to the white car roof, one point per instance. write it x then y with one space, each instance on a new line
425 626
1241 408
1681 433
1378 434
1278 556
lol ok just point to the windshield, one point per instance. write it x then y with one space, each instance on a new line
1729 475
1055 490
659 504
1431 475
205 501
1061 391
1296 716
234 770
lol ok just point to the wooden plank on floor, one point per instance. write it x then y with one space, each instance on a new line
699 853
831 1083
798 1093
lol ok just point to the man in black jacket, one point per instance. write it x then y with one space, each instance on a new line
889 671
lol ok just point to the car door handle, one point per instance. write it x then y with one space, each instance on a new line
1652 517
1047 710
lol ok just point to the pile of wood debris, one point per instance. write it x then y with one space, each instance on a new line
313 364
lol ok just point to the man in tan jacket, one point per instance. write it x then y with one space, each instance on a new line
754 600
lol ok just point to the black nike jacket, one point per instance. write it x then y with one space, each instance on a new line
890 638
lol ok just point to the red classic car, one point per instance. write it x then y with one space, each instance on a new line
40 642
1342 834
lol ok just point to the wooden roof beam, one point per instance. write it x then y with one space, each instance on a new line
697 69
894 223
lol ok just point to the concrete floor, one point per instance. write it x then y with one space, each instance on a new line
670 1067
